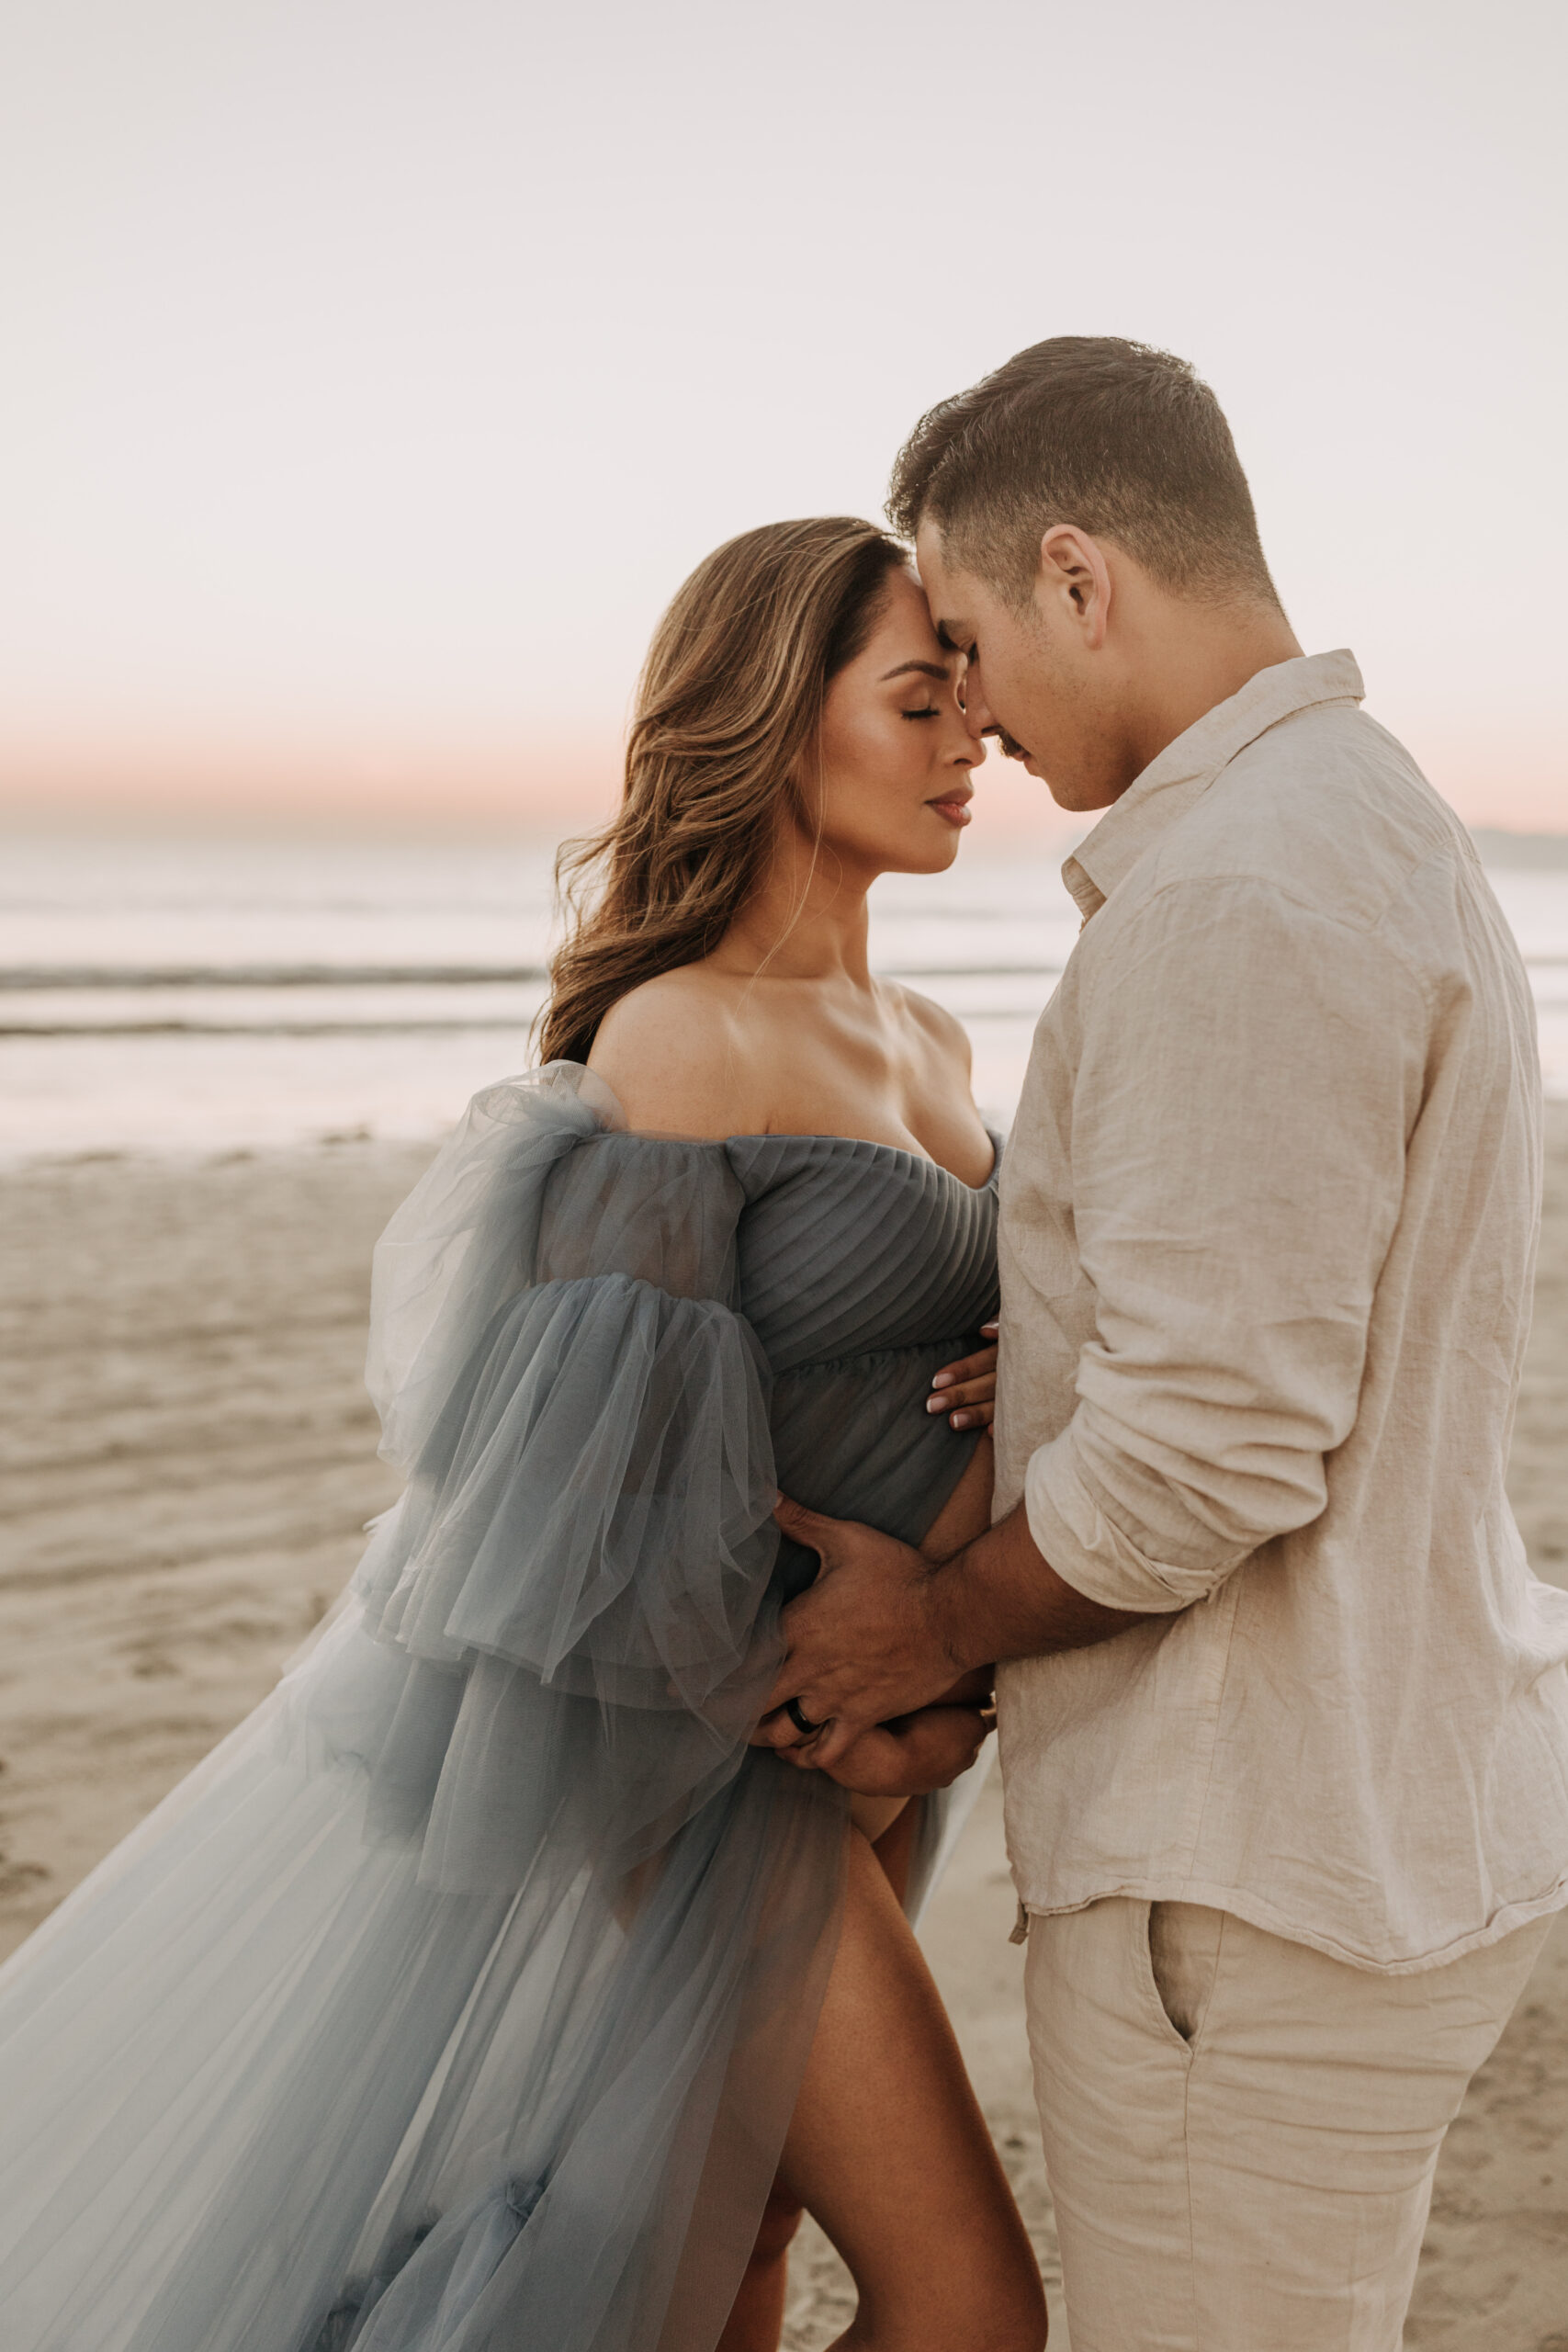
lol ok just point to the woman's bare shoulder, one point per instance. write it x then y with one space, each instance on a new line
669 1050
940 1031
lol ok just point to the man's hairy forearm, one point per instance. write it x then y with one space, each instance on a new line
999 1597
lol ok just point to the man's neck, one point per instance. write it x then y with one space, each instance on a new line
1197 657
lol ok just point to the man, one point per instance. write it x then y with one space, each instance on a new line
1284 1717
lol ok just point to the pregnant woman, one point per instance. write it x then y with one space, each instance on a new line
487 1991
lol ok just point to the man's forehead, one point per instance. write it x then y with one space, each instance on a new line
946 589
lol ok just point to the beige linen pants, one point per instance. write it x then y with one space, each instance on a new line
1240 2132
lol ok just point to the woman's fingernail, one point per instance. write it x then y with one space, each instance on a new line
990 1330
942 1380
934 1403
960 1421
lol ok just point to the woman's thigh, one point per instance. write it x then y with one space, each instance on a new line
889 2150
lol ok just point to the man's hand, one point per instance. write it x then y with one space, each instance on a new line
885 1630
863 1646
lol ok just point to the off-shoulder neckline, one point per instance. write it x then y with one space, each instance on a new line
897 1151
854 1143
611 1120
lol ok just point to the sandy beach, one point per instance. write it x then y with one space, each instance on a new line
189 1458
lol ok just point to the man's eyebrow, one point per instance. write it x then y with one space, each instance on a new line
944 637
927 669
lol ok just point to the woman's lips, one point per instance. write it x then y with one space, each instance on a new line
955 810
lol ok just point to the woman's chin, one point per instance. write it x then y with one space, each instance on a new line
928 858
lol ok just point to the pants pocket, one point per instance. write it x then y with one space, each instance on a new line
1184 1957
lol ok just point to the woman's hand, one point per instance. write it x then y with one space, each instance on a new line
966 1391
909 1757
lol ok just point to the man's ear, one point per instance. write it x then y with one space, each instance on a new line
1075 583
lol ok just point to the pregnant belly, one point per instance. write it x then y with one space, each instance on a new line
854 1440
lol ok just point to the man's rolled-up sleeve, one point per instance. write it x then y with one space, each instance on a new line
1249 1073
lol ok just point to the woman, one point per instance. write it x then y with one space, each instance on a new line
474 1993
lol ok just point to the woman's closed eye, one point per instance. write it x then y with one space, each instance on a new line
930 711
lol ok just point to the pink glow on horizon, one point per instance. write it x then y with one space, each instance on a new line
291 778
1518 782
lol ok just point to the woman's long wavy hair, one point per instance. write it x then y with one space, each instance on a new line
727 712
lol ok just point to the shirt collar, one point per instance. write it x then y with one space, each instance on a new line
1175 781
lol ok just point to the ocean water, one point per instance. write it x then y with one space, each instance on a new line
234 993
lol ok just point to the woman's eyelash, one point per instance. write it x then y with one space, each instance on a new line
930 712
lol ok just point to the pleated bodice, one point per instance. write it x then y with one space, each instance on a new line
848 1249
860 1267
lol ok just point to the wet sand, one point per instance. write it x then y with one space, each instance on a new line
189 1457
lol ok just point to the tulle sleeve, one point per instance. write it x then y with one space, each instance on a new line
580 1411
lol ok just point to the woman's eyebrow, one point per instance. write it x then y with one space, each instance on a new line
930 669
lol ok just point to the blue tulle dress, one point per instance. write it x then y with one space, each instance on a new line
458 2001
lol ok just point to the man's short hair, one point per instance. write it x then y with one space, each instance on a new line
1125 441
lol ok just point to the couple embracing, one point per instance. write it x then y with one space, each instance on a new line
518 1972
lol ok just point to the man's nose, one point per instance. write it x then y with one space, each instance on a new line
976 713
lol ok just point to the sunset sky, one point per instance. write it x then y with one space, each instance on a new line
375 368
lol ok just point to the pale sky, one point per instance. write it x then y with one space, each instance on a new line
375 368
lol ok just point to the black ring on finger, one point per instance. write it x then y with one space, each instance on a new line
801 1720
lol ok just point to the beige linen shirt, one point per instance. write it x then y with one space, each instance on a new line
1267 1230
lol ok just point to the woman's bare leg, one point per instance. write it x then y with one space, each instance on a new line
757 2320
889 2150
894 1848
876 2074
